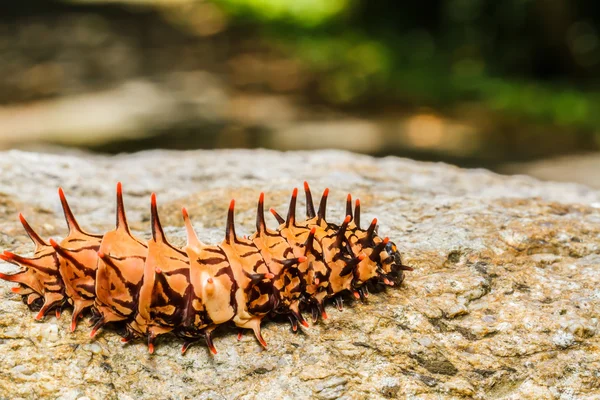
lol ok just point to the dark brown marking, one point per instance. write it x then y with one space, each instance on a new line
211 260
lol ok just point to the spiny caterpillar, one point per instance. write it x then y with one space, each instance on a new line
154 288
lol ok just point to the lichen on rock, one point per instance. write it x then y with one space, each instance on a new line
503 302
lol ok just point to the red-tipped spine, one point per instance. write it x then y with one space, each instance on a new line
35 238
69 217
121 217
291 217
230 227
357 213
261 225
322 207
278 217
310 207
349 205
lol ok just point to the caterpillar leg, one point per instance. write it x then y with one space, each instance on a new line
78 307
129 335
151 338
361 293
32 298
51 300
295 311
258 335
97 326
339 302
207 335
254 324
294 322
314 314
153 333
321 309
100 320
317 308
186 344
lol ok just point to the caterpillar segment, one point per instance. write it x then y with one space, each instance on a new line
156 288
120 272
166 291
78 257
39 277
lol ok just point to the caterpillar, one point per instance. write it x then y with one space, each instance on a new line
154 288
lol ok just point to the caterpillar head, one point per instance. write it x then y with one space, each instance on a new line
384 263
391 264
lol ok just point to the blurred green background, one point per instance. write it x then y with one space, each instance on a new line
471 82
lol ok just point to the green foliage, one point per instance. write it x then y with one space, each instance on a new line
304 13
387 55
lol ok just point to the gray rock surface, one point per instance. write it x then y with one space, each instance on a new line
503 303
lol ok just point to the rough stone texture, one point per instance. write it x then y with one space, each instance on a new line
503 302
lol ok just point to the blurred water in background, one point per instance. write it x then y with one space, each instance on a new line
471 82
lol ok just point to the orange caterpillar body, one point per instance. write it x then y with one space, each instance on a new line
154 288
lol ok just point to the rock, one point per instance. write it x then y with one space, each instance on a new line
503 302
